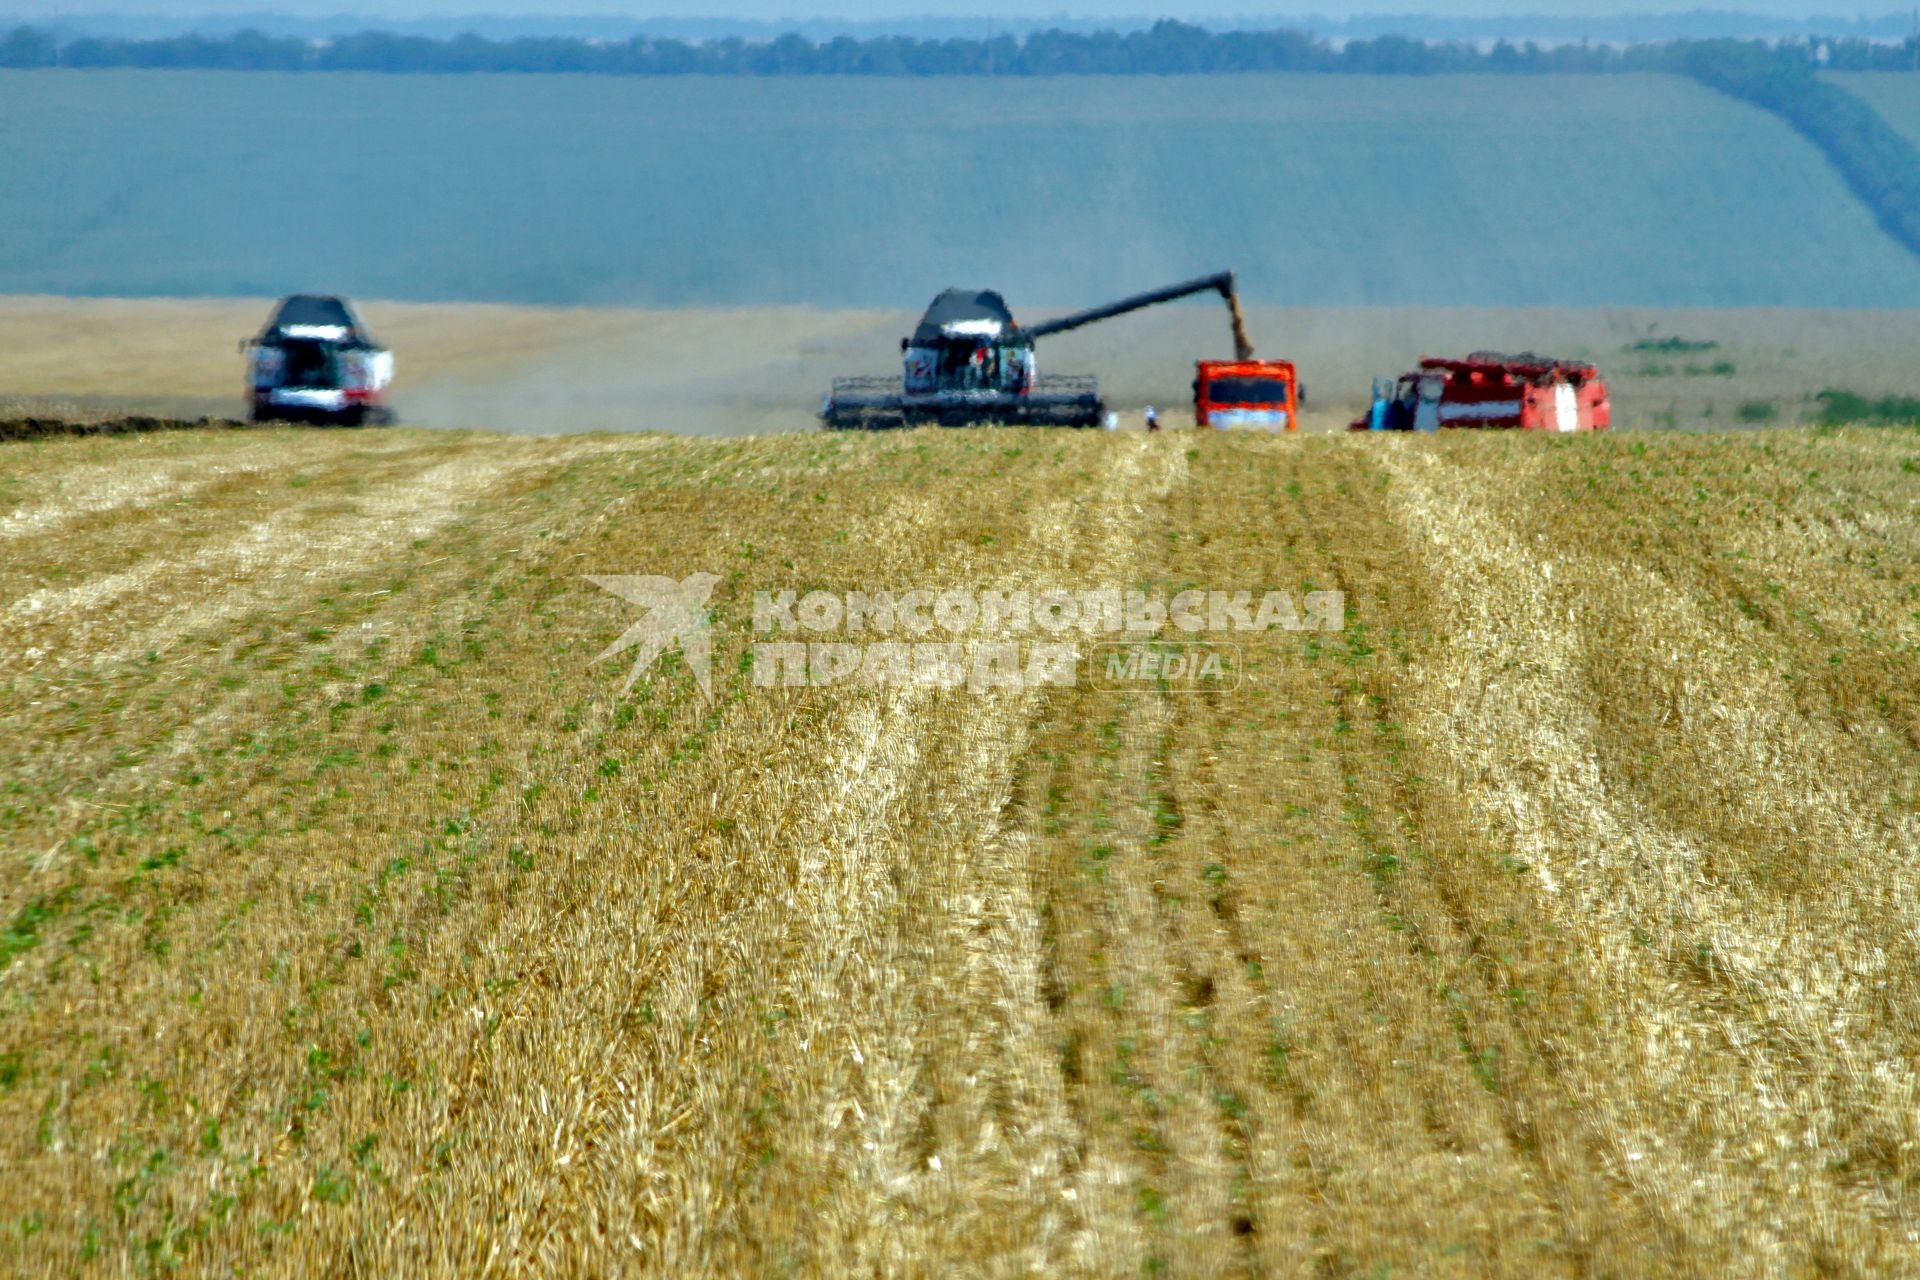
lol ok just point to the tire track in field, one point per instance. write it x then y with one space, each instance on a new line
1151 985
1199 1162
1111 1176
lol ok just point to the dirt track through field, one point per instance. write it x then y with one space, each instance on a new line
1554 917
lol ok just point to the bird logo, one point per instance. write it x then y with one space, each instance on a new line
676 614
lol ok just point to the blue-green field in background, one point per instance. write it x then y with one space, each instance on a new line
1323 190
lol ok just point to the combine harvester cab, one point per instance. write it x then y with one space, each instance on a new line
965 362
1256 395
1488 389
315 362
967 342
969 362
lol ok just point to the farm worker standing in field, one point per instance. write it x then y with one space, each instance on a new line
1153 419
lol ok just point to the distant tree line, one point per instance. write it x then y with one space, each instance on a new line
1167 48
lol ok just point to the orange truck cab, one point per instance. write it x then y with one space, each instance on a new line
1257 395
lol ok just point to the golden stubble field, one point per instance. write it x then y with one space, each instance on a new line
718 371
1557 917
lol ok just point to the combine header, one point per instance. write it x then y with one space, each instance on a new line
1488 389
968 362
315 362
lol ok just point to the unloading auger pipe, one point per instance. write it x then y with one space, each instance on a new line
1222 283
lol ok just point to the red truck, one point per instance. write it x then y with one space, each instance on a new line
1488 389
1261 395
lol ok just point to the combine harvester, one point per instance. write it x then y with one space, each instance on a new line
315 362
969 363
1488 389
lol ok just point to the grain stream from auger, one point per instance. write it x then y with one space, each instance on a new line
1554 918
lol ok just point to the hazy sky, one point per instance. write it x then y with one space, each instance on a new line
881 9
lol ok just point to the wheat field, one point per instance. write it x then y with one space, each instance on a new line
1557 917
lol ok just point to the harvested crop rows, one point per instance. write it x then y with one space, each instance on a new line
1556 917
